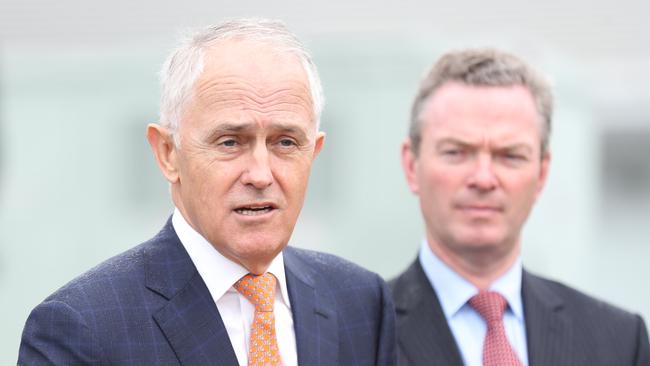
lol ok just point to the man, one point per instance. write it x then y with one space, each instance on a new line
218 286
477 156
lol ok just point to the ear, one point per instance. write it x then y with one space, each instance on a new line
165 151
318 145
543 172
409 164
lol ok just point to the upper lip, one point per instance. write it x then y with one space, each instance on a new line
480 207
254 205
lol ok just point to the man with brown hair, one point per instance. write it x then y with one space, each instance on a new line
477 156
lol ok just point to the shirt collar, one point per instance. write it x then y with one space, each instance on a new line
509 286
454 291
218 272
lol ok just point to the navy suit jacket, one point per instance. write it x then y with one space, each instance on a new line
150 306
563 326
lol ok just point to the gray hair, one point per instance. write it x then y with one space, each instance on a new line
185 64
483 67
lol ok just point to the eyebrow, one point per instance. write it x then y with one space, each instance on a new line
453 141
289 129
228 128
466 144
233 128
516 147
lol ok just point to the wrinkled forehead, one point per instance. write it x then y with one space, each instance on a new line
244 82
261 70
262 63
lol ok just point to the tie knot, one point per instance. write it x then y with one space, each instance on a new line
259 290
490 305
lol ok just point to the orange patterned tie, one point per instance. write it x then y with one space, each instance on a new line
260 291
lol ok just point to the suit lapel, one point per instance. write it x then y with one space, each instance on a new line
314 317
423 333
189 318
547 330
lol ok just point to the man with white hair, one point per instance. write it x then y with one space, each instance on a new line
240 111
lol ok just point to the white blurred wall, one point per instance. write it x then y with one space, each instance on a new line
78 86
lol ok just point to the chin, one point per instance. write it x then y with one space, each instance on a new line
481 240
260 246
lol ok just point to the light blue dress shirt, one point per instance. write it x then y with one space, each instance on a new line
467 326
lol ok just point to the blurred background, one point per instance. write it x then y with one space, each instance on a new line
78 85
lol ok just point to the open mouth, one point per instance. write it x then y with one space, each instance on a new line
254 210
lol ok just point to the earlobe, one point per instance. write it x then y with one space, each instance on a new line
409 161
164 150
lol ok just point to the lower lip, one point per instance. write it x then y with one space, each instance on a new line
255 215
480 211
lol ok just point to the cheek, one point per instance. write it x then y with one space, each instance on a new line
439 185
211 184
292 176
524 193
527 183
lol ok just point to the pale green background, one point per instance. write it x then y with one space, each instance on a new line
78 85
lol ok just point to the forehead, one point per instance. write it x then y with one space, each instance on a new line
480 112
251 80
258 63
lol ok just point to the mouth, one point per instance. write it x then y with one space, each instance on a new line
257 209
480 209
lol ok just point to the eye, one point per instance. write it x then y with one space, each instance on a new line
227 142
451 152
514 157
287 142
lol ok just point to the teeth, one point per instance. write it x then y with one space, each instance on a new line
253 211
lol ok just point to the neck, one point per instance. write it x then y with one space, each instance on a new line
256 268
479 266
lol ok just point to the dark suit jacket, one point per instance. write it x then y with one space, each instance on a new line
563 326
150 306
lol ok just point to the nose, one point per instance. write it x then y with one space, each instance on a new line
483 177
258 169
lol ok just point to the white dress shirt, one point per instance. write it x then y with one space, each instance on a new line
220 274
467 326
